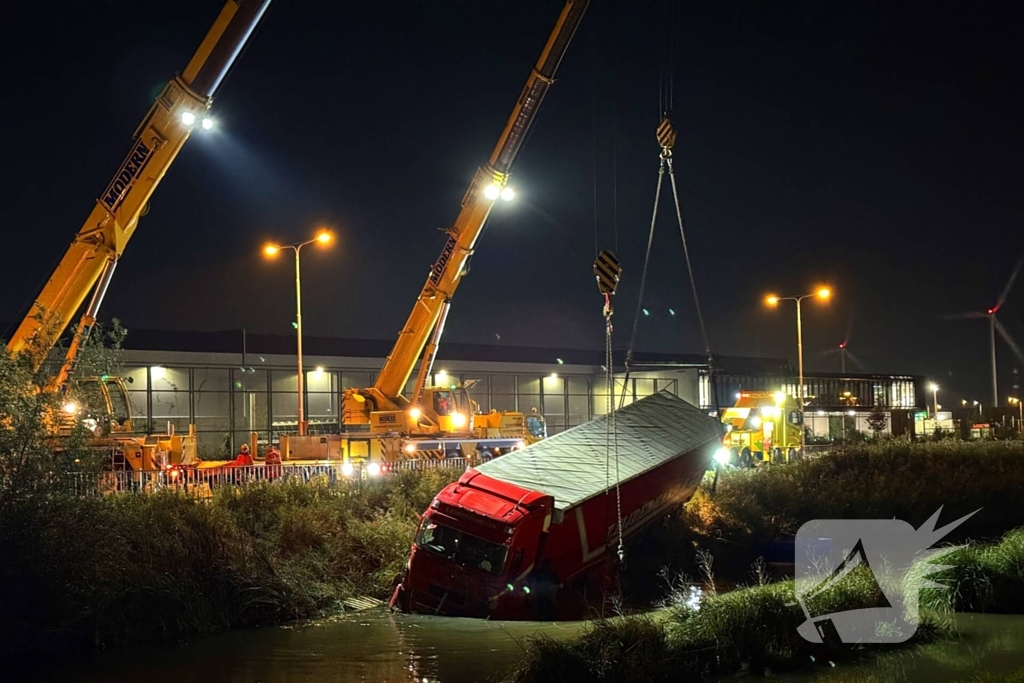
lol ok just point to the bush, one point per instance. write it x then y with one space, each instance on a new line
876 481
749 509
752 629
91 573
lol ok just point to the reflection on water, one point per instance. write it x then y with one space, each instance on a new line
989 643
369 646
376 646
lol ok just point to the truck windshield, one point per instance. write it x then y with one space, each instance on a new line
463 548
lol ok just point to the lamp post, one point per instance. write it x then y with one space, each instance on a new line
822 293
935 398
271 250
1020 409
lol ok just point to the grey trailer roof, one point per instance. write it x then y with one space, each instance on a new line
573 465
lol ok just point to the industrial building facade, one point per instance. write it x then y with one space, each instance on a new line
228 384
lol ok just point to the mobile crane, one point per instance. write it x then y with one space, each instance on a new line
405 426
88 264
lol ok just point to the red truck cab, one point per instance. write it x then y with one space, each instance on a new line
476 545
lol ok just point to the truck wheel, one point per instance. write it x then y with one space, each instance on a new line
795 455
777 456
746 459
486 455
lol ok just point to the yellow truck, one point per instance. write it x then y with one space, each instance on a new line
762 425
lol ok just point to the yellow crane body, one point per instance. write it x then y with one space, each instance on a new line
382 408
89 262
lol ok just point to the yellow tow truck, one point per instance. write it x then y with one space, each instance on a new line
762 425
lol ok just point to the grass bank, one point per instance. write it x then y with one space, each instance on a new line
981 578
78 574
751 629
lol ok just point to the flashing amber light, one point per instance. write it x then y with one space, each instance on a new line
414 413
324 237
824 293
271 250
771 300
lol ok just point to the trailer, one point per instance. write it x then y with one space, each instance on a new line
531 534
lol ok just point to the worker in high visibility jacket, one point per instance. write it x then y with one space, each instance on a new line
243 459
272 461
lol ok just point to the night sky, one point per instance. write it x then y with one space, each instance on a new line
873 146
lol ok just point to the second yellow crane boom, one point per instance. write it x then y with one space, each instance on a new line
487 186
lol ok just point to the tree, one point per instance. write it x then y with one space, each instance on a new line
32 457
878 421
101 355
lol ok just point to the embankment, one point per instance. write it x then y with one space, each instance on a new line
79 574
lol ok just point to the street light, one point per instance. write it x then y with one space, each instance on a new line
1020 408
823 293
935 395
271 250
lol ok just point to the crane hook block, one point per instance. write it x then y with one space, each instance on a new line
666 134
607 271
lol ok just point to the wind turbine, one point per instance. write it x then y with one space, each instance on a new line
995 326
844 349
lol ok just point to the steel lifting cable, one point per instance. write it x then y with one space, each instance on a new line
643 282
667 139
611 431
607 271
686 253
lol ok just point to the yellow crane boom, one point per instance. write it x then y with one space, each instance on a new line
89 262
486 187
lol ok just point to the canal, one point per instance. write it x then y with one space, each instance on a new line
376 646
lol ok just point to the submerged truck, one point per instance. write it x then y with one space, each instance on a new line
531 534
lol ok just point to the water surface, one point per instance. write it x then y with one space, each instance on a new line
377 646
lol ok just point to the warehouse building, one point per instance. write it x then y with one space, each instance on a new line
229 384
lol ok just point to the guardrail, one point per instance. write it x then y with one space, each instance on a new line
201 482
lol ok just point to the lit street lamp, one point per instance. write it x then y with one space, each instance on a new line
1020 409
271 250
822 293
935 395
